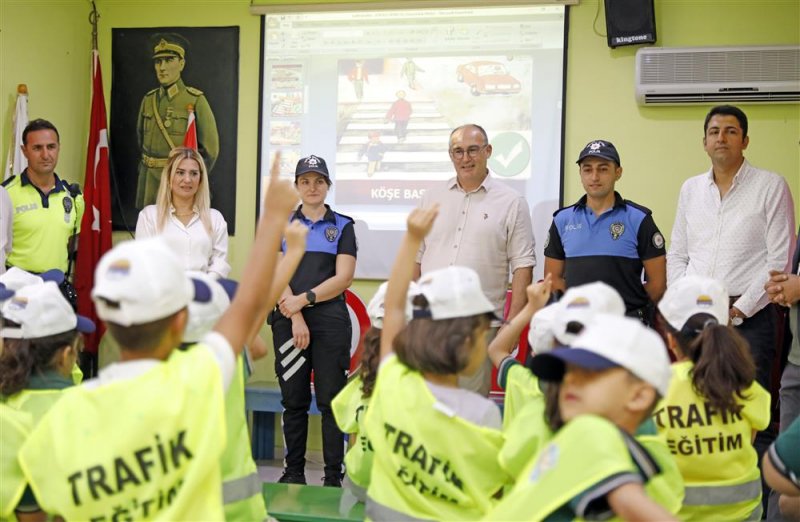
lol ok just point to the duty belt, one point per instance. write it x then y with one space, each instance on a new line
152 162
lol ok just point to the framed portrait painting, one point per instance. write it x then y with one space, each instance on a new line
159 76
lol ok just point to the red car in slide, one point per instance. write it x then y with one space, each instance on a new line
485 77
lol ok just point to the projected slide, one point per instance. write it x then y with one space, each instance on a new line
377 93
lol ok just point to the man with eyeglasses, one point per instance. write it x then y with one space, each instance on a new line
484 225
605 238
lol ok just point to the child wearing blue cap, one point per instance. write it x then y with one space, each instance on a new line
610 381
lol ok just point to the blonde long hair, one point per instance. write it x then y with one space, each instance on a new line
202 199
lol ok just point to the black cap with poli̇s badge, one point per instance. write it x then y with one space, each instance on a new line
600 149
312 164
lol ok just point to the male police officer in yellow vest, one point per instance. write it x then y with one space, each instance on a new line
47 209
164 115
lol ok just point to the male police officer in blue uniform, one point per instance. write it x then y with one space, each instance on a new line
606 238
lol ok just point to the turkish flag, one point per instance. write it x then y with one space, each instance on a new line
95 234
190 139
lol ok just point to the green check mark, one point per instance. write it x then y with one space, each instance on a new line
510 154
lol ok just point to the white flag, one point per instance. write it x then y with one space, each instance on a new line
16 161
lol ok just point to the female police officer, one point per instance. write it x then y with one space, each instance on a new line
311 326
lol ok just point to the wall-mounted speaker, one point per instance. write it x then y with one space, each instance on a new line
630 22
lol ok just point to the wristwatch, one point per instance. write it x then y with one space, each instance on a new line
312 298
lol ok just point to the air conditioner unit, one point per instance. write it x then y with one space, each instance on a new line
689 75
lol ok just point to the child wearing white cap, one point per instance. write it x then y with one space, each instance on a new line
16 278
714 406
610 381
144 439
435 444
530 412
351 404
241 485
535 423
15 426
42 335
42 342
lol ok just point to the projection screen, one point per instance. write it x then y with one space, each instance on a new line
335 84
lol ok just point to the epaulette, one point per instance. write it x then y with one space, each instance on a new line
646 210
73 188
153 91
8 181
562 209
194 92
346 217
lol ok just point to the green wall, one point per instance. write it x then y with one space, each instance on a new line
46 44
661 147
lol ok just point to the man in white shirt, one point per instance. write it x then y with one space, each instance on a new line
484 225
735 223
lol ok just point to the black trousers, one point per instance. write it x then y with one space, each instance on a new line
760 332
328 355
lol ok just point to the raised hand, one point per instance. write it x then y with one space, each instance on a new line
539 293
420 221
295 235
281 195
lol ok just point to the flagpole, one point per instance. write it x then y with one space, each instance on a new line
95 231
94 16
16 162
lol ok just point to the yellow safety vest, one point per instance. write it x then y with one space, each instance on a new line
713 450
428 463
666 488
241 485
145 448
566 468
522 388
77 374
524 437
350 408
36 402
14 429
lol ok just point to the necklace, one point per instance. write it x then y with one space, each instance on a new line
183 214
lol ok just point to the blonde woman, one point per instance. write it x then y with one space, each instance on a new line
183 215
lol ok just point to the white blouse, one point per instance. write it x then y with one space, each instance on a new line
191 243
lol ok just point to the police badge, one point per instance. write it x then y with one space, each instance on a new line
617 229
331 233
67 203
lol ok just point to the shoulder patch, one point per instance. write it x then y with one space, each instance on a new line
638 207
9 181
193 91
658 240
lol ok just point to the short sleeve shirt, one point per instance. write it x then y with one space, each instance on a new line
332 235
43 223
608 248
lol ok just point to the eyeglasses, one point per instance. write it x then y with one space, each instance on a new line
472 152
